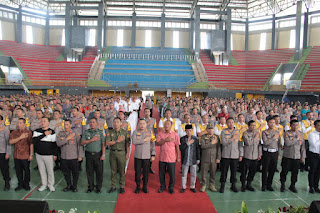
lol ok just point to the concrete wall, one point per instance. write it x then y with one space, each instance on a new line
111 37
238 41
284 39
254 41
140 38
55 36
314 36
8 30
39 34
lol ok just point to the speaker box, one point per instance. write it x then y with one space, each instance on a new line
315 207
25 206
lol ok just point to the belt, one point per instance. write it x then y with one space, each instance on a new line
270 150
117 150
92 153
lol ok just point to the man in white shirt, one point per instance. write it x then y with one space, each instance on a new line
314 154
182 127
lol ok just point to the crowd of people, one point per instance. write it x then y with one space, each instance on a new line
248 136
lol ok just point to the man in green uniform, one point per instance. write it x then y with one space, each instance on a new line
94 141
118 139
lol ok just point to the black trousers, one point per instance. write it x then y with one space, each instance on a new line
308 157
314 173
143 164
4 166
58 161
22 168
269 166
245 166
69 167
94 166
163 167
225 163
287 165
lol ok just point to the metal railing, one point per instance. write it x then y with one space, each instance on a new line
134 56
3 81
93 65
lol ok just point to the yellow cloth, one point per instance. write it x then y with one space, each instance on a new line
307 125
258 126
239 127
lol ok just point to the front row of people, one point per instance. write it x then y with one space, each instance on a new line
227 149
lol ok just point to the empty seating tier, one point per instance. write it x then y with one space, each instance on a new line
31 51
158 74
311 81
40 65
148 73
242 77
264 57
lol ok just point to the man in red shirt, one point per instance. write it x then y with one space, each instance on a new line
23 153
169 142
224 113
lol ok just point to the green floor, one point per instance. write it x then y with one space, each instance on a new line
60 200
255 201
224 203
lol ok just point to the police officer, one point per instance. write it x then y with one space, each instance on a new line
124 124
270 151
13 125
102 124
71 154
5 152
57 125
35 123
151 126
110 115
230 154
294 152
118 140
250 153
77 121
211 155
94 142
144 152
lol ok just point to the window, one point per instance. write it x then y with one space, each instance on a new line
292 39
92 37
175 39
148 38
1 31
120 38
263 41
63 40
29 34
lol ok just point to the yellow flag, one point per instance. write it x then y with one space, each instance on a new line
83 121
62 124
7 122
105 125
27 122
